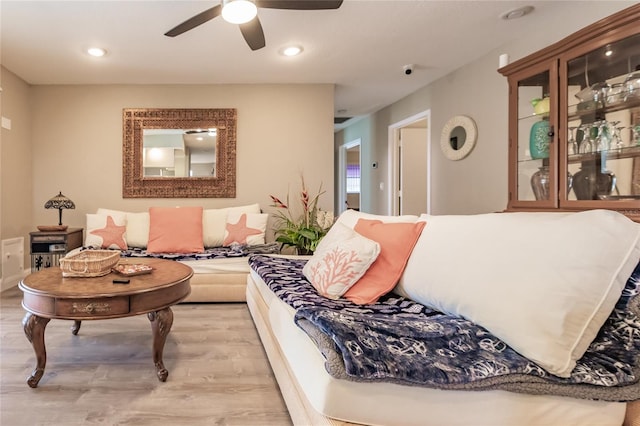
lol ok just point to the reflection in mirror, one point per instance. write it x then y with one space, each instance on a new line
457 137
179 153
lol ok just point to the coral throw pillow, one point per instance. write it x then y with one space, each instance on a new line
245 228
175 230
396 243
106 231
340 259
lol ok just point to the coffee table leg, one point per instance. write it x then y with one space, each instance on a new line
76 327
161 322
34 330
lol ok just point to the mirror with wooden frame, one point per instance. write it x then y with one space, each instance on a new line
179 153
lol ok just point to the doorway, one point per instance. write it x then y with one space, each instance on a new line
410 165
349 176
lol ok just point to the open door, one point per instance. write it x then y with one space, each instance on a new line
409 171
349 176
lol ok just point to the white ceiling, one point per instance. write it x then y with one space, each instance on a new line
361 47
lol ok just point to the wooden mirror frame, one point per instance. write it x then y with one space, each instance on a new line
136 185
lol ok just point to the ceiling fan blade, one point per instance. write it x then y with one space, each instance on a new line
299 4
253 34
194 21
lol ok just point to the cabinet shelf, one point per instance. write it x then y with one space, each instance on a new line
601 110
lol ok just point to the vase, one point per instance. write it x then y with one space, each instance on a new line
540 183
304 251
539 140
590 182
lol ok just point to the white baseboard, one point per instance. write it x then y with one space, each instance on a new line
9 282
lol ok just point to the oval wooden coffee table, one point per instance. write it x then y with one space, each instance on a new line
47 294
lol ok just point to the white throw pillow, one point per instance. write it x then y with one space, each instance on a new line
544 283
137 226
106 231
351 217
245 228
340 260
214 223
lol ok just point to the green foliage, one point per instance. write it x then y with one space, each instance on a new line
303 229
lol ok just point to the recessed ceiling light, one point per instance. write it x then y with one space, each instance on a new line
96 51
517 13
291 50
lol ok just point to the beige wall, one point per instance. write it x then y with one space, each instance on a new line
478 183
69 139
15 160
283 130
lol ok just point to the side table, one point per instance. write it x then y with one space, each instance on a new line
47 247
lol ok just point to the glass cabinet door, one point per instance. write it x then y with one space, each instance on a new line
535 172
601 148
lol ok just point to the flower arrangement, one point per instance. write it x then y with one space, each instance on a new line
301 228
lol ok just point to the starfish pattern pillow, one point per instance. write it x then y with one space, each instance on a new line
245 228
106 231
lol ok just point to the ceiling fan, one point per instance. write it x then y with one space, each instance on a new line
249 23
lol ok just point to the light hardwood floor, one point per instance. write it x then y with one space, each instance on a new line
218 371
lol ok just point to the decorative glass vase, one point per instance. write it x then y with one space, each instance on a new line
540 183
591 183
539 140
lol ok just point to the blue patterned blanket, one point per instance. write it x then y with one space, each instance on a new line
400 341
235 250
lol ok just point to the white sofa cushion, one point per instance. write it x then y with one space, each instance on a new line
544 283
350 218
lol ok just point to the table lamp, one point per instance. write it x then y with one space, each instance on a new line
59 202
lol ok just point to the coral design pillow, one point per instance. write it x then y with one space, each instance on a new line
106 231
175 230
396 243
340 259
245 228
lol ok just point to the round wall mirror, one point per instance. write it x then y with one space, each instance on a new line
458 138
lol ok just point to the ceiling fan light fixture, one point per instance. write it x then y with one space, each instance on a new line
238 11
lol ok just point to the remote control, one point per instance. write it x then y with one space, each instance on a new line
120 281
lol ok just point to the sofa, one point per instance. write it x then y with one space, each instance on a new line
215 243
490 319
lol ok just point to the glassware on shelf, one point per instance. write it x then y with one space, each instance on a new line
572 144
588 144
632 85
636 135
616 94
616 138
603 136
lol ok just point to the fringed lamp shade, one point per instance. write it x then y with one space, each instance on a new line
59 202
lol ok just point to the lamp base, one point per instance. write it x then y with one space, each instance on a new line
52 228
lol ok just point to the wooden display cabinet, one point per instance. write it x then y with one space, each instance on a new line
574 121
